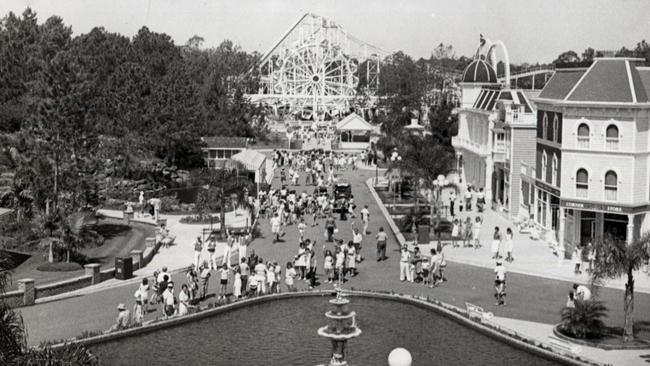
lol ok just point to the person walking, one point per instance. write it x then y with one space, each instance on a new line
169 300
500 284
381 244
365 218
290 275
476 231
184 301
496 243
357 238
212 255
275 227
198 247
404 264
467 234
330 227
204 277
509 245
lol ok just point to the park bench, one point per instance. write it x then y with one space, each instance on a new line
475 312
565 346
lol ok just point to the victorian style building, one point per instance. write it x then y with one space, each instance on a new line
592 171
496 134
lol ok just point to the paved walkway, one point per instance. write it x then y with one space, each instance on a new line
531 299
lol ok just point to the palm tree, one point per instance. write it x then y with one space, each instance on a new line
18 197
226 182
585 320
614 259
424 159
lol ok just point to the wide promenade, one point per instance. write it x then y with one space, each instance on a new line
534 303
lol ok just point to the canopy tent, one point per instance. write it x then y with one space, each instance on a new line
254 162
354 122
354 132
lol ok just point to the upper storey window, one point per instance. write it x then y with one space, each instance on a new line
612 137
583 136
545 127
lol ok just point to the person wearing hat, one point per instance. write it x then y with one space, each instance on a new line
169 300
123 319
404 264
198 247
500 283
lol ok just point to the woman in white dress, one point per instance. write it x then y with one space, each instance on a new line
183 300
236 287
476 231
509 245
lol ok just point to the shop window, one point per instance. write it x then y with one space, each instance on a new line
583 136
612 137
582 183
544 166
556 124
545 127
611 186
554 170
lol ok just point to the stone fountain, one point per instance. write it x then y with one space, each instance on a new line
343 326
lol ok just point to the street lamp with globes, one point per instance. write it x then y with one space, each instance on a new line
396 159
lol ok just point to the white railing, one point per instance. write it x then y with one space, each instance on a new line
583 142
611 143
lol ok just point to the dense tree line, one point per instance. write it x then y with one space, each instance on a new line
150 94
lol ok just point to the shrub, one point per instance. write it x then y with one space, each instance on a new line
167 202
59 267
198 219
585 320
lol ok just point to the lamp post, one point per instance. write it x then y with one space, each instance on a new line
396 159
374 157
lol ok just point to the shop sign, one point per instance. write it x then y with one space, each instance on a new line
599 207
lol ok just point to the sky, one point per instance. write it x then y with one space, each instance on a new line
532 30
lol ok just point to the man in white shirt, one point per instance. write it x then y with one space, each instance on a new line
404 262
500 283
365 218
168 300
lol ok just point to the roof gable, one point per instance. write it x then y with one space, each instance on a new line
220 142
561 83
644 77
354 122
606 81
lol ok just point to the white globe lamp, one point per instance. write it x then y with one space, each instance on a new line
400 357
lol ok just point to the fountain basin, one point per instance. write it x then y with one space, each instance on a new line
267 324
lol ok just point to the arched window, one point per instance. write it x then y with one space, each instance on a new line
582 183
556 125
611 186
612 137
544 166
545 127
583 136
554 170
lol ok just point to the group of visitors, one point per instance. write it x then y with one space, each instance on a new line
418 268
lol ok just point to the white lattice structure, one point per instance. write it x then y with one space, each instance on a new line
315 67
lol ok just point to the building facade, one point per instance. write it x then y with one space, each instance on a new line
496 135
592 172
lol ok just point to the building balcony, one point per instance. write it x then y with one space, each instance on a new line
473 146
